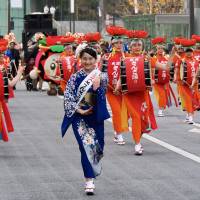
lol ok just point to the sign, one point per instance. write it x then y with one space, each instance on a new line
16 4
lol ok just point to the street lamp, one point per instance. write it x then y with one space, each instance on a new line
9 16
24 7
113 4
191 14
72 16
99 15
52 10
46 9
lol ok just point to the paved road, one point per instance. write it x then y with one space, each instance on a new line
37 164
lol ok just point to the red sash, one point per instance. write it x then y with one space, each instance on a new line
135 74
163 75
114 63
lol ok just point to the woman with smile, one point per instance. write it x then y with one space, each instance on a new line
85 109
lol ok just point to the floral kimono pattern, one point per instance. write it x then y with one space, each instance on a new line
88 129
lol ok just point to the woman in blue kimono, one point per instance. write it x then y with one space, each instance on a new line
85 109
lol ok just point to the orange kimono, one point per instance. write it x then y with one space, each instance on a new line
189 97
162 88
141 111
119 110
176 60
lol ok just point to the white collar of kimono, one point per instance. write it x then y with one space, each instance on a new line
86 84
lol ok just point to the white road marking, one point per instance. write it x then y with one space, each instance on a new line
165 144
196 124
170 147
173 148
195 130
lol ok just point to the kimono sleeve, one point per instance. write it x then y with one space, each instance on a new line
70 99
102 112
69 104
103 84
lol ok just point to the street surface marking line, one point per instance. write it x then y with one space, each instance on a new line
196 124
194 130
170 147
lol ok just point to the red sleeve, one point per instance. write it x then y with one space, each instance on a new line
177 64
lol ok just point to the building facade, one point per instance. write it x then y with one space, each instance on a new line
20 7
17 10
62 15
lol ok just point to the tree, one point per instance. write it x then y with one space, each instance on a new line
87 9
127 7
160 6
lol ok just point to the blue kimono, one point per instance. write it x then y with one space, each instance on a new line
88 129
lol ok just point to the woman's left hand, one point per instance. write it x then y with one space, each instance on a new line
84 112
96 83
118 86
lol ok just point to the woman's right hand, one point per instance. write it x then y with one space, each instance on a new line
21 69
84 112
96 83
173 51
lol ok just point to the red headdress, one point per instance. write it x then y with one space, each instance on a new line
196 37
177 40
53 40
79 38
116 30
137 34
117 33
187 42
67 39
158 40
3 45
92 37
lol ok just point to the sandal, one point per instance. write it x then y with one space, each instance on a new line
89 187
119 141
138 150
89 191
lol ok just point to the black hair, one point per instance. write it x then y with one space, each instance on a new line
92 52
189 50
167 51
